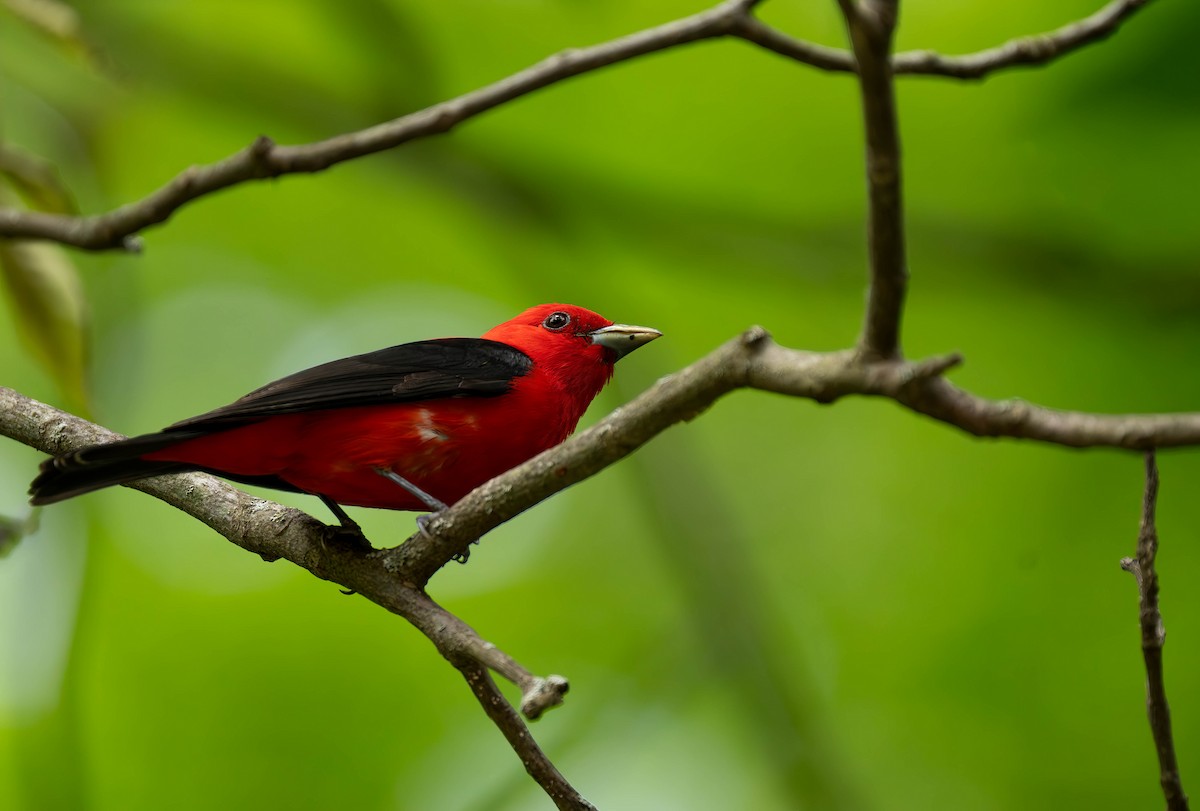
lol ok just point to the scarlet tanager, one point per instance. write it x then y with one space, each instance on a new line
413 427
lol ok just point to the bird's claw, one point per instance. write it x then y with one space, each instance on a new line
423 527
348 536
423 524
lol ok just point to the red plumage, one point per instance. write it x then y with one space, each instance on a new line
445 415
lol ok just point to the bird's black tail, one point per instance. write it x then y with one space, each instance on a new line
80 472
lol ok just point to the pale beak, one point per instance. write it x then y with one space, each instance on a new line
623 338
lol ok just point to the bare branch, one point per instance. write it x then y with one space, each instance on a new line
534 759
1028 51
265 159
1015 418
1038 49
755 30
1154 636
871 24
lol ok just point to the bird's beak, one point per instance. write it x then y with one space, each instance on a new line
623 338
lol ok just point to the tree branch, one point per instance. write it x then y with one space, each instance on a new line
1038 49
265 159
1154 636
1028 51
823 57
871 24
532 757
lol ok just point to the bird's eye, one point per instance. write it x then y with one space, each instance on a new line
556 321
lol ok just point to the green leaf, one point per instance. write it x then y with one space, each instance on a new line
50 312
36 180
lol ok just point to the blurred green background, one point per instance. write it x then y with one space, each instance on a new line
776 606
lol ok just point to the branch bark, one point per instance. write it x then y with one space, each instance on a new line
1028 51
871 25
264 158
510 724
1154 636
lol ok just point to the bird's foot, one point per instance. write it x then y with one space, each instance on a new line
348 532
423 527
423 524
345 536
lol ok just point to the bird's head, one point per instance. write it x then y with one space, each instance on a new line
565 327
577 345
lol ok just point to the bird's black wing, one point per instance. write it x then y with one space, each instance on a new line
425 370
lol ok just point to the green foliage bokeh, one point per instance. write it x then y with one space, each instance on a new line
775 606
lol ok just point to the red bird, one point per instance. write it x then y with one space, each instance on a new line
413 427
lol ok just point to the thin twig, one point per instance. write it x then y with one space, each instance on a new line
1038 49
835 60
510 724
1154 636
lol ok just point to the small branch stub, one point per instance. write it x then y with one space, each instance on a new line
542 695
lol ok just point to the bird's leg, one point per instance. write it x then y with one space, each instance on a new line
341 515
434 504
429 501
349 529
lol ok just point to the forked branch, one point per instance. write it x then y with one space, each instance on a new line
1028 51
265 159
